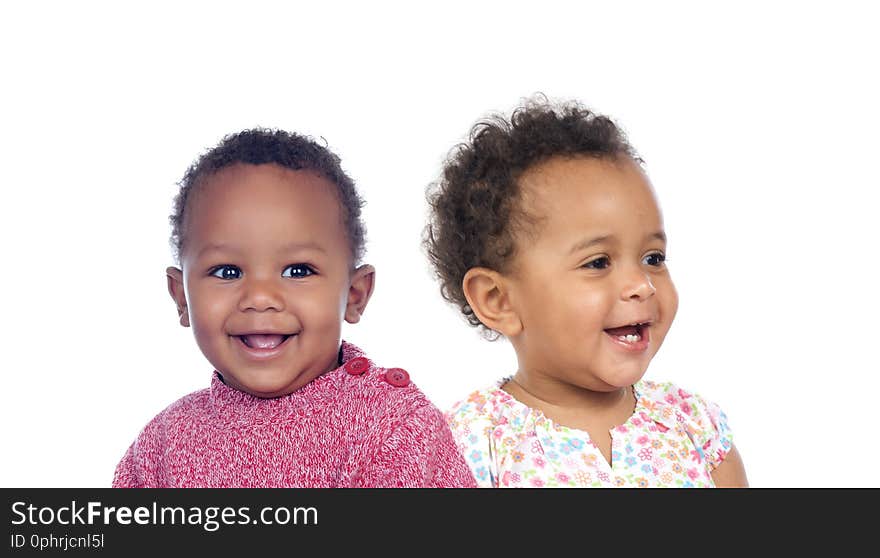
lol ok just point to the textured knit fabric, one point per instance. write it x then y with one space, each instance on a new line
340 430
673 439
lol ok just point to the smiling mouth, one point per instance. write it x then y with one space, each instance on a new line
263 341
630 334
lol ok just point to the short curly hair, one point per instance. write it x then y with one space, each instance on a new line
258 146
474 206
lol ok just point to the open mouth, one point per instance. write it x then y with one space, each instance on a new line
632 334
263 341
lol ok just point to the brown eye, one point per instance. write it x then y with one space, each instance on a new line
598 263
655 260
227 272
297 271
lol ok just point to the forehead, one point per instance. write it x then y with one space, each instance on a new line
262 206
612 196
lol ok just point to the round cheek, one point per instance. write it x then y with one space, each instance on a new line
204 313
323 317
572 316
668 302
207 319
207 339
588 307
319 311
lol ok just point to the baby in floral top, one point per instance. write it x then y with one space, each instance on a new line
545 229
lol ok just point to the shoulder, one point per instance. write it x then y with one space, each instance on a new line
480 411
702 419
477 403
188 407
196 402
381 392
683 401
140 464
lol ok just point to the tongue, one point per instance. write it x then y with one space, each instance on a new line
625 330
263 341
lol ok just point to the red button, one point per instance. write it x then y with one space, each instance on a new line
357 366
397 377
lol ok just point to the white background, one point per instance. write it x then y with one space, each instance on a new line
758 121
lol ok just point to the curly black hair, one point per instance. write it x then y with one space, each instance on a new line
259 146
474 206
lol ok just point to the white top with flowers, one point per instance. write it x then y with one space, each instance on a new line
673 439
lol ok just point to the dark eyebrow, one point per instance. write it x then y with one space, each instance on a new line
292 247
213 247
659 235
584 244
297 246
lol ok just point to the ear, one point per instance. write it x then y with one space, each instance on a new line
362 281
175 289
488 295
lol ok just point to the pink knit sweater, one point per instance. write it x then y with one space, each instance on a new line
351 427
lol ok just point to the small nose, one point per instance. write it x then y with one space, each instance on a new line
638 286
261 295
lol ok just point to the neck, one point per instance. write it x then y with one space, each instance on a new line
550 393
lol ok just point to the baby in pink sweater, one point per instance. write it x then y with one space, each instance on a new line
267 231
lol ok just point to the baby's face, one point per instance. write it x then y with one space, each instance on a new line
590 286
266 270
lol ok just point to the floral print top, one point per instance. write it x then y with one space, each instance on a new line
673 439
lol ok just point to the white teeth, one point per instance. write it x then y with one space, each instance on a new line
629 338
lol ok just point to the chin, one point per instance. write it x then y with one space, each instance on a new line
266 388
625 376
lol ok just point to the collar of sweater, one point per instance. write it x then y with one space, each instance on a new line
233 405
